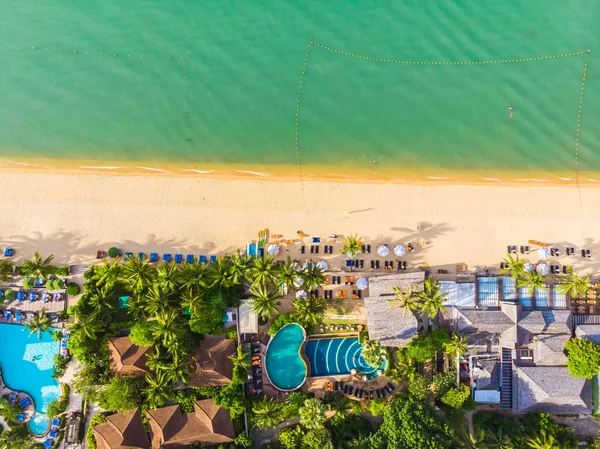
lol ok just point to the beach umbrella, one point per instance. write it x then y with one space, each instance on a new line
544 253
321 264
273 249
349 255
383 250
307 264
400 250
296 266
362 283
527 267
542 269
298 282
301 294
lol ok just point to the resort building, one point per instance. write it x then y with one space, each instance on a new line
391 326
248 320
212 366
209 424
127 358
122 430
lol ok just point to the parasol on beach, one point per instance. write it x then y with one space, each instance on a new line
544 253
296 266
362 283
400 250
273 249
527 268
542 269
301 294
298 282
322 265
383 250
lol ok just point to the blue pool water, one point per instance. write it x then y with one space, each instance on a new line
39 424
336 356
285 367
27 363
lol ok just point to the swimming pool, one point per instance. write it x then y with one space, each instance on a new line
26 364
337 356
284 365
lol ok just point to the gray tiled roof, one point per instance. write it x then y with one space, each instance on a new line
589 332
550 321
473 320
551 389
391 326
549 349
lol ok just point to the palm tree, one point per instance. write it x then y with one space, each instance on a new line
37 267
408 300
219 275
86 326
574 284
407 371
139 273
158 390
313 277
514 266
137 306
238 267
466 440
193 276
340 405
542 441
192 301
499 440
264 302
532 280
167 276
6 270
262 271
157 359
168 328
108 273
266 413
240 359
178 369
39 323
312 414
352 244
287 274
157 301
456 347
100 297
309 311
432 298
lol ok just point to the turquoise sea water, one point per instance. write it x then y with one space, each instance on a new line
109 81
286 370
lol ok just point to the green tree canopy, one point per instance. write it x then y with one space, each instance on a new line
373 353
583 358
122 393
515 267
312 414
455 397
38 268
574 284
143 333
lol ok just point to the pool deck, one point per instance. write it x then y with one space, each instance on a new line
29 411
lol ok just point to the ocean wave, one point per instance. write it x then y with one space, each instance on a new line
101 167
197 171
154 169
257 173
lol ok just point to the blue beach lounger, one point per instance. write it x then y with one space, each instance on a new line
167 257
203 259
53 433
9 252
21 417
213 259
19 316
128 255
55 422
178 258
47 444
25 402
20 296
190 258
316 239
7 315
142 256
153 257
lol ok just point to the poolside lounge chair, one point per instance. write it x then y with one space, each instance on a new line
316 239
390 387
20 296
213 259
55 422
128 255
167 257
21 417
53 433
9 252
12 398
178 258
350 390
190 258
153 257
202 259
141 256
19 316
7 315
345 390
47 444
25 402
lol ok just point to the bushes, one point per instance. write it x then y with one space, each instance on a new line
282 320
373 353
60 364
425 347
55 284
62 271
72 289
9 294
455 397
443 382
122 393
89 438
583 358
231 333
377 407
419 387
143 333
58 407
10 412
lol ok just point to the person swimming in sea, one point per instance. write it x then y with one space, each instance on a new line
512 114
372 162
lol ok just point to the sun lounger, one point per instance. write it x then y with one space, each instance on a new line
178 258
377 264
141 256
55 422
20 296
345 390
390 387
316 239
350 390
19 316
9 252
53 433
21 417
336 385
25 402
372 264
47 444
369 249
213 259
128 255
190 258
153 257
202 259
303 249
167 257
100 254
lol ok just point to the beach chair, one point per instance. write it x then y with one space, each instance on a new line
20 296
202 259
9 252
213 259
377 264
25 402
47 444
303 249
167 257
316 239
178 258
19 316
53 433
369 249
128 255
141 256
312 249
153 257
21 417
404 265
190 258
55 422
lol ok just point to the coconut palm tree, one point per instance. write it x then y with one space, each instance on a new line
138 273
373 353
514 266
157 301
137 306
312 414
532 280
465 440
238 267
264 302
167 276
352 245
497 440
6 270
262 271
158 391
157 359
266 413
340 404
431 298
574 285
168 328
99 298
107 273
313 277
408 300
193 276
309 311
286 274
456 347
39 323
178 369
38 268
192 301
240 359
218 274
86 327
542 441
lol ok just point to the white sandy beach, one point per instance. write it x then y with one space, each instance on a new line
73 215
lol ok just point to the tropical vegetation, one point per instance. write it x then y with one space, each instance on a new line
583 358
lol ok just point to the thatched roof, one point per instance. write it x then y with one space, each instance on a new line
551 389
127 358
122 431
212 366
384 285
209 424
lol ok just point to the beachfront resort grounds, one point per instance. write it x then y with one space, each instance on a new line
324 334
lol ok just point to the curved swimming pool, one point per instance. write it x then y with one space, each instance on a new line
284 365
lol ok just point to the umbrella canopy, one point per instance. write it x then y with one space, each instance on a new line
322 265
542 269
383 250
298 282
307 264
400 250
362 283
349 255
301 294
273 249
544 253
527 267
296 266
